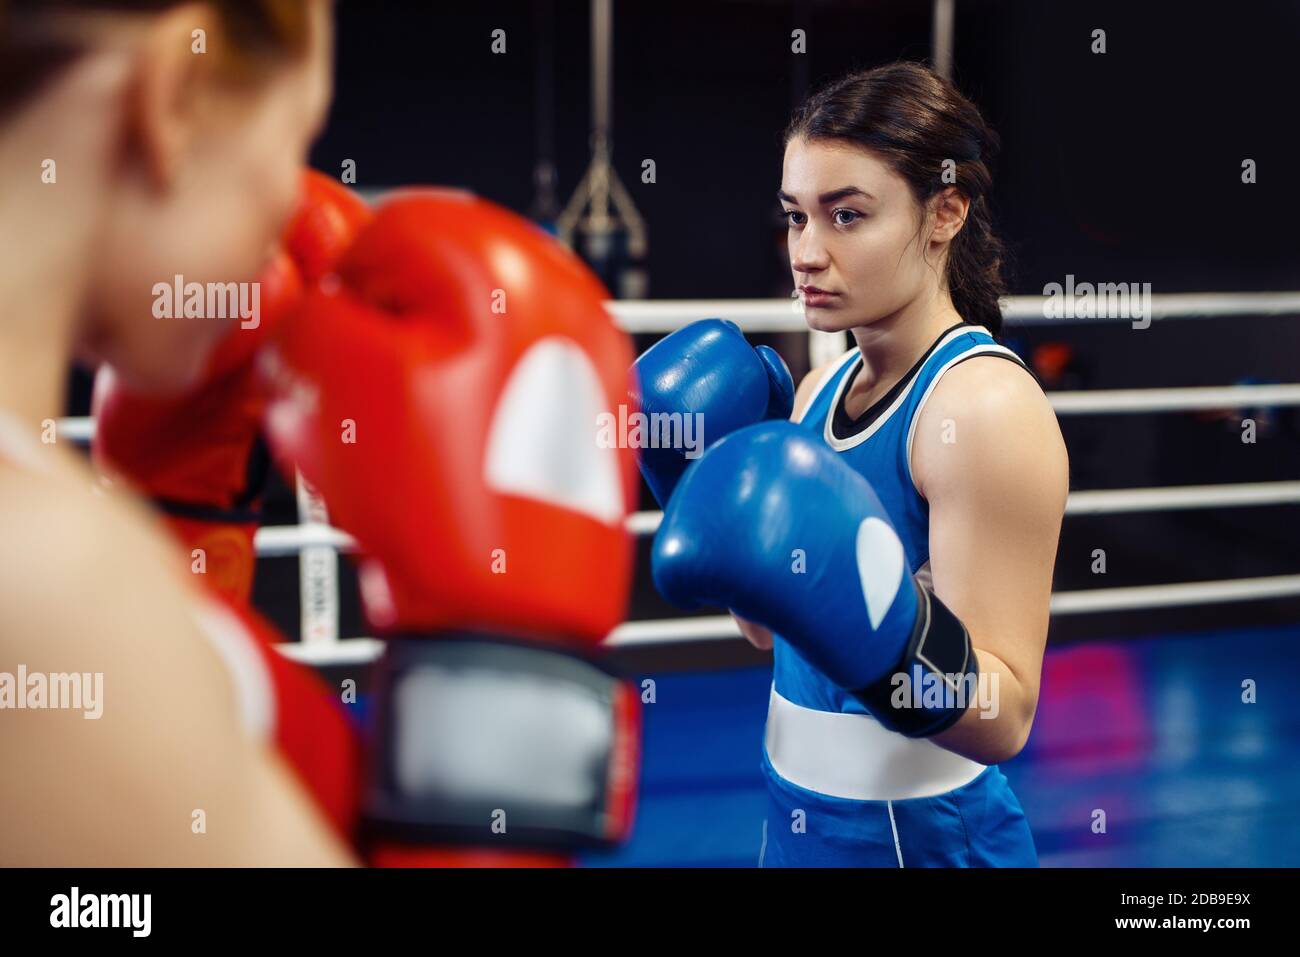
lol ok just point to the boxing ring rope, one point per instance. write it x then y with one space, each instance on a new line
780 315
1111 401
672 631
784 315
1085 402
280 541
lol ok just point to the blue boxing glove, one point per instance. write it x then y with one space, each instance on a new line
853 609
704 378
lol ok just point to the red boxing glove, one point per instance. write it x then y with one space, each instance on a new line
452 400
199 455
447 400
293 707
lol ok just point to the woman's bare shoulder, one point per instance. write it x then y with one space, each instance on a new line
808 385
989 417
90 587
70 556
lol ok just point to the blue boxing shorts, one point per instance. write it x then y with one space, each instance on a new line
891 808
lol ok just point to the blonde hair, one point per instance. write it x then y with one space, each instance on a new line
33 47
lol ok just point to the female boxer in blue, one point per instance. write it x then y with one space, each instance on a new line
895 543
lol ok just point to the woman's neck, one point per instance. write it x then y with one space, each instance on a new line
890 346
39 306
48 215
33 374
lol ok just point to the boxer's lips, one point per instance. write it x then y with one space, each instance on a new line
816 296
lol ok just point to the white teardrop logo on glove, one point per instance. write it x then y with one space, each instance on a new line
542 441
880 567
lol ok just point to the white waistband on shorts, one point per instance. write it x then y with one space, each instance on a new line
853 756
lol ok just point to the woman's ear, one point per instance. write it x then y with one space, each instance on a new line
950 209
174 66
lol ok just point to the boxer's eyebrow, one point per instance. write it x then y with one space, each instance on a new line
842 193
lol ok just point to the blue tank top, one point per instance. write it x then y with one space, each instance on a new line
878 446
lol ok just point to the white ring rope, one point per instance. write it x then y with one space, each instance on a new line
285 540
785 315
1128 401
279 541
348 651
672 631
1084 402
1172 498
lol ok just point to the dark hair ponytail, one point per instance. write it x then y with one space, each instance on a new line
914 120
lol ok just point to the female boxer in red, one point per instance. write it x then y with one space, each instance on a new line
138 141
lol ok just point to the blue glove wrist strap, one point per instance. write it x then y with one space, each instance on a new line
934 681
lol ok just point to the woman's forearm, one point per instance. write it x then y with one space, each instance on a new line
998 719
